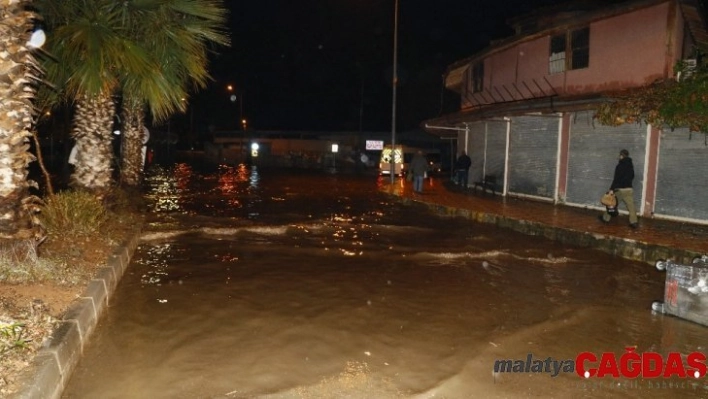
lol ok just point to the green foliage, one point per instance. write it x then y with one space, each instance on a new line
672 103
73 212
81 230
149 51
11 337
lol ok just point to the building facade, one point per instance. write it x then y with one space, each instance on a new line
527 106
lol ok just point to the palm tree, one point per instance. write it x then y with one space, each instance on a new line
90 51
176 33
17 72
146 51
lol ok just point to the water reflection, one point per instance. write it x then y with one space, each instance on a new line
182 190
232 177
156 264
318 286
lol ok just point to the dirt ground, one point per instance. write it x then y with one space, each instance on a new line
56 298
37 306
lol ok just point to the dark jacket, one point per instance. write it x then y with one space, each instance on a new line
463 162
419 165
624 174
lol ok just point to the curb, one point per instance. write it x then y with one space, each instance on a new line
51 368
617 246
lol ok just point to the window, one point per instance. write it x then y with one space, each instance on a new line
569 50
478 77
580 48
557 59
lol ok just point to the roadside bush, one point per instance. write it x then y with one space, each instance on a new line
81 232
73 212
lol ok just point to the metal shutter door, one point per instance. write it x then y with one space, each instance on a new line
476 150
496 150
683 175
594 153
533 153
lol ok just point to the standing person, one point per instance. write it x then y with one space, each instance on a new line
622 187
418 167
463 168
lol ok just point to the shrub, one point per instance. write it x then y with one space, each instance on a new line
73 212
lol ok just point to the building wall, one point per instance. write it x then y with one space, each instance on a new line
533 68
627 50
502 70
571 160
535 159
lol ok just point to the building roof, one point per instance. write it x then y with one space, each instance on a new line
540 106
695 16
546 19
542 22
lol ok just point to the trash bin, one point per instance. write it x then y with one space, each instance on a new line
686 290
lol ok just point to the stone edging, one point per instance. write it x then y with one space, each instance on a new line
51 368
617 246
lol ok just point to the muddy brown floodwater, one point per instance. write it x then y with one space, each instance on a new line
262 284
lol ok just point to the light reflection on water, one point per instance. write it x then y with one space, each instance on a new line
335 290
180 189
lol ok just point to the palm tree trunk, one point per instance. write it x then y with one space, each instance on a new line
132 145
92 130
17 69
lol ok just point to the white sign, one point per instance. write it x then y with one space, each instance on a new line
374 144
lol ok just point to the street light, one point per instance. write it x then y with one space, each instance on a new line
235 97
335 150
395 84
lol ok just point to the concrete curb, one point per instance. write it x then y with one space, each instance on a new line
617 246
51 369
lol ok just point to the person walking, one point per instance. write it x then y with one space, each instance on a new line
622 188
418 167
462 166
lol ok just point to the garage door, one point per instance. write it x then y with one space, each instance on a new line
593 155
476 149
533 156
682 175
496 150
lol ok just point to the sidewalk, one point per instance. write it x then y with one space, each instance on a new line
654 239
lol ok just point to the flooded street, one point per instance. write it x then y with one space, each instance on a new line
264 284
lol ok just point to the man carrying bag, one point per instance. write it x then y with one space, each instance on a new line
622 189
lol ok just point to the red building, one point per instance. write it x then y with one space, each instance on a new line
527 105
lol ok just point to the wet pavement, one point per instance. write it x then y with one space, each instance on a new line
667 239
257 284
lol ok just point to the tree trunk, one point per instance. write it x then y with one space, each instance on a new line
132 145
17 206
92 130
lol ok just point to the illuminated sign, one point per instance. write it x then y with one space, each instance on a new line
374 144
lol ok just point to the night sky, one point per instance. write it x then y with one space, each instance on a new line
327 64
